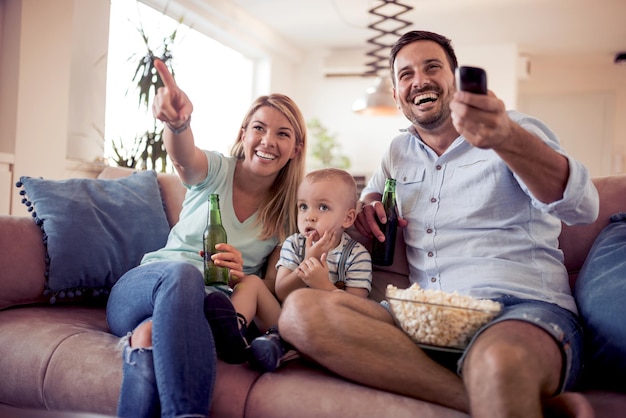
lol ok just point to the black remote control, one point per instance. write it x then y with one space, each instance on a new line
471 79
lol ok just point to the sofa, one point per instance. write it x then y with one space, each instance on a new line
62 356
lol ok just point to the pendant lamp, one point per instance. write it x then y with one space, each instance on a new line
378 100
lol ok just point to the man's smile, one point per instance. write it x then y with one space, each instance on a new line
425 98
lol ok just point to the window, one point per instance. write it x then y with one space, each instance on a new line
217 79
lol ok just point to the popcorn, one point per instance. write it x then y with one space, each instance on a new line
437 318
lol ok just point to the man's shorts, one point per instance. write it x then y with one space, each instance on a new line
558 322
562 324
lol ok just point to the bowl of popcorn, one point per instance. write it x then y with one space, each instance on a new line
437 319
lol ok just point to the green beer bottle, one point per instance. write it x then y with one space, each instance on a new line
383 252
214 233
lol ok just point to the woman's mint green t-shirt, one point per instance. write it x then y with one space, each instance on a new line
185 239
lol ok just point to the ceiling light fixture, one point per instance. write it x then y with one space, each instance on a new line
378 100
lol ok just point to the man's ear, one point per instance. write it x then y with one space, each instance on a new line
395 97
350 218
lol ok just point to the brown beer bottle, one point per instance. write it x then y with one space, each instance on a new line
214 233
383 252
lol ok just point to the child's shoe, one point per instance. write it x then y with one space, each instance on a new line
267 351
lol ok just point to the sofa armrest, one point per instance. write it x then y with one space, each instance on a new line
576 241
22 264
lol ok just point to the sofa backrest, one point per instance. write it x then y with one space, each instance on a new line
22 263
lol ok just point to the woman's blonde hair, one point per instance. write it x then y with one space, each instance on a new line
278 213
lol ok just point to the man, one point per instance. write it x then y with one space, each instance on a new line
482 193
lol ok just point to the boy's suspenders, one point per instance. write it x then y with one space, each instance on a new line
341 265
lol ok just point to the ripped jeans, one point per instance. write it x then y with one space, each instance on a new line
175 377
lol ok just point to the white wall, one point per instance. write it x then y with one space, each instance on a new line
583 99
8 96
500 61
574 94
329 99
301 75
365 138
50 111
52 86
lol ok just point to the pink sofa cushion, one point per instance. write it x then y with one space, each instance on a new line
22 260
575 241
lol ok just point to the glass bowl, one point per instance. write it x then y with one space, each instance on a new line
439 320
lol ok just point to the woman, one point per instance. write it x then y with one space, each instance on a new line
169 353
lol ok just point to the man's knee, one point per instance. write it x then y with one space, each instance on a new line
300 312
513 348
496 350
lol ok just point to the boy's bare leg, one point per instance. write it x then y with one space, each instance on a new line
253 299
344 333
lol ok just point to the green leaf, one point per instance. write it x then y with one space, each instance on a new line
147 150
324 146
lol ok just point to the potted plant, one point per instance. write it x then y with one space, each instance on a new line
147 151
324 148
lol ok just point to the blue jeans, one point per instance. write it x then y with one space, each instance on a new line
600 292
175 377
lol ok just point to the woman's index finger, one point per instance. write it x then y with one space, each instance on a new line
164 73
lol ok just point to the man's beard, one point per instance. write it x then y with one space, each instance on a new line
429 122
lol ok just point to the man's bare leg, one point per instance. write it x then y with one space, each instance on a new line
357 339
509 369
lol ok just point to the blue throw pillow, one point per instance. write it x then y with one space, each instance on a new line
94 230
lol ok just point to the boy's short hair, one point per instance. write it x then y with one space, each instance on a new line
336 174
